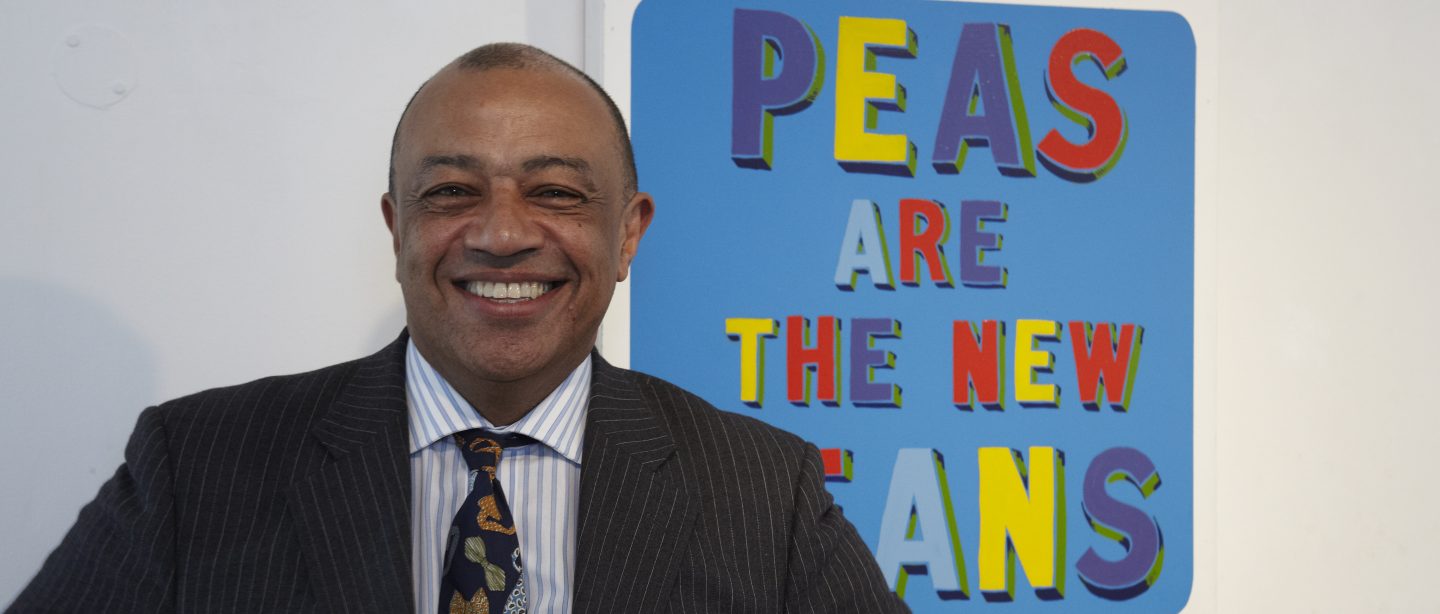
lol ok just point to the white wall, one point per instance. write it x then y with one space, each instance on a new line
1327 281
220 222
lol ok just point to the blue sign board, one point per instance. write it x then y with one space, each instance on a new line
952 245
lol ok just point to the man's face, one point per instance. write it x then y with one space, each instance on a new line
511 225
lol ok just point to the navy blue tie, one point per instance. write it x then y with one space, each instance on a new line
483 573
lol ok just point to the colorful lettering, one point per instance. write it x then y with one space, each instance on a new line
979 364
863 249
1132 528
917 531
764 42
1103 119
1030 361
975 242
1103 363
925 227
822 359
865 360
983 104
838 464
751 333
1022 515
861 93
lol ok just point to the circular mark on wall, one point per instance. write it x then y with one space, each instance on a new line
95 65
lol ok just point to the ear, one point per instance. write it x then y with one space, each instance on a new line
387 209
634 220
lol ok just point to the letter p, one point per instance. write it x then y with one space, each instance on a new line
779 68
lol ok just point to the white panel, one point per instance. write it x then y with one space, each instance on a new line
1327 284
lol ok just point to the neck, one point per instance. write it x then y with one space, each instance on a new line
502 403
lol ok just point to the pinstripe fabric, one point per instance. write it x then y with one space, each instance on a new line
541 482
685 508
292 494
287 494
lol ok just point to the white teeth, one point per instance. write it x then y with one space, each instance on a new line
508 292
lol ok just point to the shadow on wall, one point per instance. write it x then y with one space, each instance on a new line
73 378
388 327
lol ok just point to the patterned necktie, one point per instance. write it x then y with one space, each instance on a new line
482 566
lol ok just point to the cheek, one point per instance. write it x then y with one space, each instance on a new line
422 247
409 252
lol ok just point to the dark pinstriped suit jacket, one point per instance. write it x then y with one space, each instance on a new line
292 494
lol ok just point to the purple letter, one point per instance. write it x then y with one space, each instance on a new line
974 242
865 360
984 71
761 38
1137 532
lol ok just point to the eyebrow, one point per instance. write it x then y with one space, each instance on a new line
579 165
460 161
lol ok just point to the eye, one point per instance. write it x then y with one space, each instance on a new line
447 198
448 191
558 196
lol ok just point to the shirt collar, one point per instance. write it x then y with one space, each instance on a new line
438 411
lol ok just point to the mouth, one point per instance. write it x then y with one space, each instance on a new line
508 292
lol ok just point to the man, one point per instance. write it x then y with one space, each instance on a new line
513 210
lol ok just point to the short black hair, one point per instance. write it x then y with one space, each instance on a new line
519 56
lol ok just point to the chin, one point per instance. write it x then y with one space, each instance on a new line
497 359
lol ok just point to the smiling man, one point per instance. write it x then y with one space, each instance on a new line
488 460
514 212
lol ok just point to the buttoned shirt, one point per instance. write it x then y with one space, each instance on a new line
541 481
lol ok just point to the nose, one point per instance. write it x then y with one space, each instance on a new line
503 226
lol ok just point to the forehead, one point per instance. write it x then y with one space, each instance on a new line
503 116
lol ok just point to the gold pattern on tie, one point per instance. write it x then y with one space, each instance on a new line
489 514
479 604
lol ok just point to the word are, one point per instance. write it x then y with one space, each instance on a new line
924 233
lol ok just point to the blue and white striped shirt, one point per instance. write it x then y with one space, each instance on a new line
541 482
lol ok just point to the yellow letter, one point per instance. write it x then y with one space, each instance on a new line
860 93
1034 522
751 333
1029 359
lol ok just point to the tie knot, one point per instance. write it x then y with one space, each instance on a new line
483 449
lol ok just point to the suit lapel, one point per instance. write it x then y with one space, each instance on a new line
353 515
636 511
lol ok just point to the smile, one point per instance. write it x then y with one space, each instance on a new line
508 292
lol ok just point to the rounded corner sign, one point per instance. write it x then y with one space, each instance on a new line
952 245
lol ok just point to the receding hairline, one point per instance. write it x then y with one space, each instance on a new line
517 56
522 57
